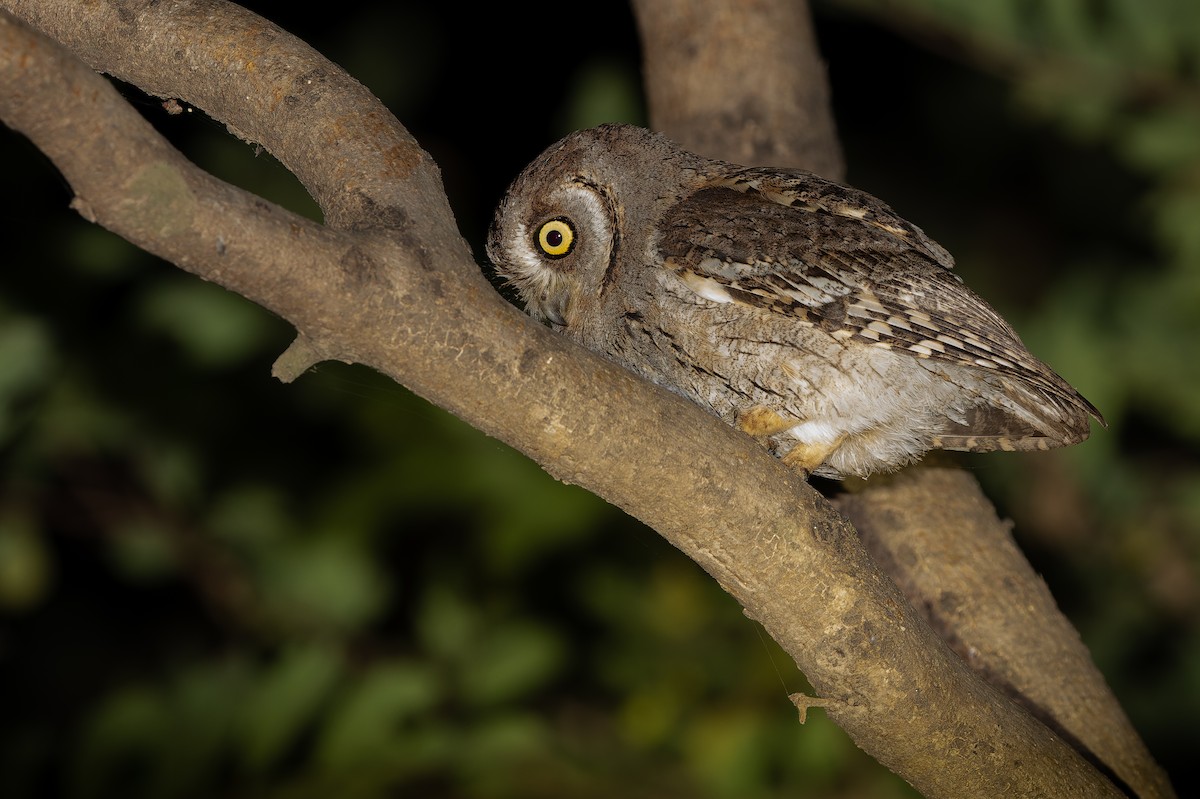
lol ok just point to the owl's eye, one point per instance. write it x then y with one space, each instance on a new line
556 238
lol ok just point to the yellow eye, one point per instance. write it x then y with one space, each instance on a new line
556 238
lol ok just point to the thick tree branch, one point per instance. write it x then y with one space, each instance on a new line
127 178
976 588
361 166
738 82
397 291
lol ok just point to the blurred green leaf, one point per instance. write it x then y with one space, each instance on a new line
652 713
26 567
603 91
819 750
144 549
1176 209
93 251
726 749
501 744
1055 90
252 516
1148 31
26 363
121 742
446 625
1164 141
214 326
170 470
285 702
508 661
202 705
25 356
323 582
73 419
373 720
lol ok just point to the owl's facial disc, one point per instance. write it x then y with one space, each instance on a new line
557 245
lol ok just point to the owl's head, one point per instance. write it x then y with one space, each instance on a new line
560 230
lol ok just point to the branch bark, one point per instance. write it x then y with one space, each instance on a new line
712 86
939 538
389 283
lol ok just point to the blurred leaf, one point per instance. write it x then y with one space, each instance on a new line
71 418
26 569
26 362
170 470
726 751
498 745
508 661
284 703
202 704
1176 209
121 742
215 326
677 602
527 515
25 356
323 582
446 625
96 252
1162 141
249 515
372 722
143 549
652 713
819 750
1054 90
1148 32
603 91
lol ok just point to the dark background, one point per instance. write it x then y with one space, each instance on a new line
215 584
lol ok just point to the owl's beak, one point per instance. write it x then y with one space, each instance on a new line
553 310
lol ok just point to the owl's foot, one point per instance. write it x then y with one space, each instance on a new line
761 422
805 458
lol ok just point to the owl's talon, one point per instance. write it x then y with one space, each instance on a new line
805 458
760 422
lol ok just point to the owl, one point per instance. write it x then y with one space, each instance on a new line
804 312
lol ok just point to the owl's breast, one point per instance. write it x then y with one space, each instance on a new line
724 356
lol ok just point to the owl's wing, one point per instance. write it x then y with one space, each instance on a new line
842 261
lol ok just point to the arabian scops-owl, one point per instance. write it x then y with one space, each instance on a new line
805 312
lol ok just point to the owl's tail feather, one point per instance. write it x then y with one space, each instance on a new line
1023 418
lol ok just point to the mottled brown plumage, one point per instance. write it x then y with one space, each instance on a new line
803 311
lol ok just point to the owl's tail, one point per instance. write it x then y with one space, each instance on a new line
1022 416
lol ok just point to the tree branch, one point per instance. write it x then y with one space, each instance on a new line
938 536
389 283
712 88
